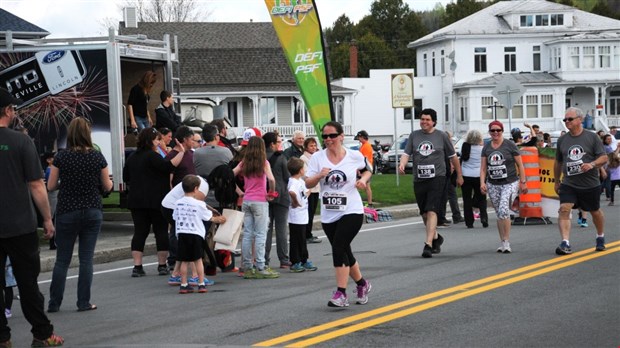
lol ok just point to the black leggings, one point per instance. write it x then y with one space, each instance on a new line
142 221
340 234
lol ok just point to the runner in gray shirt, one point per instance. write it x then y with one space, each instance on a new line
579 156
430 148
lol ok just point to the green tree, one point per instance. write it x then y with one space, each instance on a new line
461 9
374 53
339 60
602 8
341 32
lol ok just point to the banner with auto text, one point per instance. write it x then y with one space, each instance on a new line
299 30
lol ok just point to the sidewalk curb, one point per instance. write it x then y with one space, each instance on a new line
116 253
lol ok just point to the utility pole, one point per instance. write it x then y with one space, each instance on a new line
494 107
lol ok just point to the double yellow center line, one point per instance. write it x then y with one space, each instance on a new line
344 326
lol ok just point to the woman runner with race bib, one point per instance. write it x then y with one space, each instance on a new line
342 211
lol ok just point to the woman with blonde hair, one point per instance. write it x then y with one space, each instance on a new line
470 164
81 173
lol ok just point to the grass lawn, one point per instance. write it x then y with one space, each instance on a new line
386 193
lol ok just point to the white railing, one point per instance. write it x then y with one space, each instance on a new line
287 131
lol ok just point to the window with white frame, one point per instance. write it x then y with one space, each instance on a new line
546 105
604 57
338 105
616 61
232 109
487 108
517 109
536 58
463 109
480 59
443 62
433 63
510 59
267 110
588 57
541 20
556 58
573 57
446 107
424 64
532 106
300 114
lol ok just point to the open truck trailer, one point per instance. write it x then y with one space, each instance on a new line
60 79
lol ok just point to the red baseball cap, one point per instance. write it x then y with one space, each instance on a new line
248 133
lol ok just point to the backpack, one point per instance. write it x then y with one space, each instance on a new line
222 181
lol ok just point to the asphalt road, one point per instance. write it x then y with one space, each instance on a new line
466 296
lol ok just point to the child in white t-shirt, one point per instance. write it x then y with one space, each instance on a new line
189 214
298 217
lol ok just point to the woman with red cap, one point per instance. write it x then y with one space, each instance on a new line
500 179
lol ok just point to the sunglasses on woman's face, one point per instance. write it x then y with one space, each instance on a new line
495 130
331 136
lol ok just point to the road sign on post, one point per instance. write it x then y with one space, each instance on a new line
402 97
508 91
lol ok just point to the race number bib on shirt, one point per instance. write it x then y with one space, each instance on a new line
334 201
498 172
426 171
573 168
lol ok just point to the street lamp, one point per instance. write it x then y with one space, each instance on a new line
494 109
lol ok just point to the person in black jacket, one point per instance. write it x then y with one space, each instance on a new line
148 177
164 113
278 208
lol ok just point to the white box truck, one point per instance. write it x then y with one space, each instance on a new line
60 79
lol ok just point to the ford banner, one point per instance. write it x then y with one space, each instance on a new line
299 30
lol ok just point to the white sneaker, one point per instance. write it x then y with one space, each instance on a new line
502 247
507 249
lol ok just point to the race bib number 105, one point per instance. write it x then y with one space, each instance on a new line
334 201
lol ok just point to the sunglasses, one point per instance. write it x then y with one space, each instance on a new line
331 136
494 130
569 119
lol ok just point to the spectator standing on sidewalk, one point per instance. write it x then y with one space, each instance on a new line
342 210
297 146
579 156
471 153
368 153
310 147
430 148
21 178
256 172
81 174
449 196
148 177
278 207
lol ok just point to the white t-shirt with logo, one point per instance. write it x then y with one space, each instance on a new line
189 214
338 194
299 215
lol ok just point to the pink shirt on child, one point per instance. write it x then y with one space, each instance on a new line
255 187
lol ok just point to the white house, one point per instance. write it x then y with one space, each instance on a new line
561 55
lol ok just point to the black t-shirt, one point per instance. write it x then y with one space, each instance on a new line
19 165
139 101
80 179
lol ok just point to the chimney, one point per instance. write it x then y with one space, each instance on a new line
353 59
130 16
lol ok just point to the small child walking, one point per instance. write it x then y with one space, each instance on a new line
298 217
189 214
9 284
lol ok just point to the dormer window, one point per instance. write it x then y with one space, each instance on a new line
542 20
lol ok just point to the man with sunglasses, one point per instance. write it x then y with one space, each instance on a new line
430 148
579 156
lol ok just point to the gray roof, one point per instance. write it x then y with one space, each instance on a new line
20 27
524 78
225 56
490 21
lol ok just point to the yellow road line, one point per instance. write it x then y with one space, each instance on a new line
463 290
